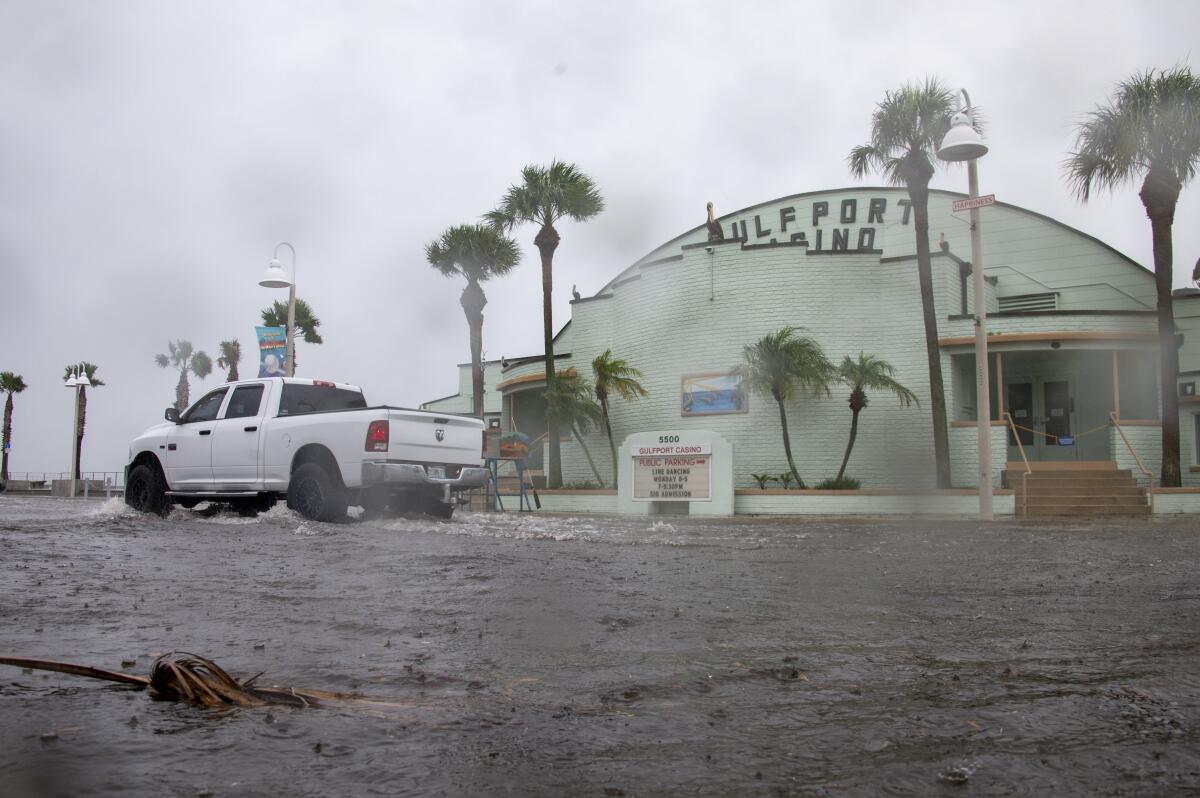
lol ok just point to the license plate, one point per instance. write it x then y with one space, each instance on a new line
436 472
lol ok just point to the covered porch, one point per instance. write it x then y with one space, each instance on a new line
1062 392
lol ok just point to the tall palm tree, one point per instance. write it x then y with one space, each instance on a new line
545 195
11 384
477 253
781 365
569 402
183 358
614 375
83 367
306 322
1149 130
906 129
867 372
231 355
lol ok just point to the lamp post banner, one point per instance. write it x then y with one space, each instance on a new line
973 202
272 351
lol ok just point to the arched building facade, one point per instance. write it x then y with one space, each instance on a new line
1072 338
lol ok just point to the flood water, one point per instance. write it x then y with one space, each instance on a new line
551 655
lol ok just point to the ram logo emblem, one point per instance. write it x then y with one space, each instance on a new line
440 434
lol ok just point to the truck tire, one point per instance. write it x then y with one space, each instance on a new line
316 495
147 492
438 508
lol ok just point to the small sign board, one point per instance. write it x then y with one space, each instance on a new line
674 470
973 202
1066 440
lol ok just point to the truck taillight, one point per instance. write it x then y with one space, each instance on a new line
377 437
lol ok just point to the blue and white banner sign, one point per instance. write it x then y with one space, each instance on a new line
272 351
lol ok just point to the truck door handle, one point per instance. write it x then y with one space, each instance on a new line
206 432
250 429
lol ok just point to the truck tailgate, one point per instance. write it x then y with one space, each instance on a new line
429 438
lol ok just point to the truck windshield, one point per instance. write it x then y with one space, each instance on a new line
299 399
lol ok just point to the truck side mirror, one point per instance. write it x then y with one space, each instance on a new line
171 415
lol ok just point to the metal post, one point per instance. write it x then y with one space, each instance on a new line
983 390
291 324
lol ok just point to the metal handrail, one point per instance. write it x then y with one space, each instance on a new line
1028 469
1141 466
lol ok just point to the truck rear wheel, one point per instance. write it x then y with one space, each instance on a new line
147 492
438 508
315 494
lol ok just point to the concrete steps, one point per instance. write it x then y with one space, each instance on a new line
1057 490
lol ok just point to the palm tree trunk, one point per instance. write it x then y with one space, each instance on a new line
6 438
473 301
233 372
1159 195
181 390
79 422
787 444
937 393
588 455
547 241
849 443
612 446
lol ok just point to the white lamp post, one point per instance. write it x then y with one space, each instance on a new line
77 380
276 277
963 143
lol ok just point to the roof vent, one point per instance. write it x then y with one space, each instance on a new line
1027 302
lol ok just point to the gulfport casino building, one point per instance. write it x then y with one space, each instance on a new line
1072 339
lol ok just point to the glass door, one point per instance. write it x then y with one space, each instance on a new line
1044 413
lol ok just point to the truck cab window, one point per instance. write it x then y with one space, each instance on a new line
206 409
245 401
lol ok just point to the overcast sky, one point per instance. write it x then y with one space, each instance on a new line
153 153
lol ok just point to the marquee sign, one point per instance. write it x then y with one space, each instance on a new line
672 470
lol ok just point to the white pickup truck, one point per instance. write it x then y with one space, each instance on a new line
316 442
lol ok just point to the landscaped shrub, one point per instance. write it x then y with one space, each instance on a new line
787 479
840 483
763 479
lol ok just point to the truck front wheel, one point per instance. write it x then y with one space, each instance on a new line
146 491
316 495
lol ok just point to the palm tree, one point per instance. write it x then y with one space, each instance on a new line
907 127
9 383
81 368
570 402
1150 130
182 358
614 375
867 372
306 322
231 355
781 365
545 195
478 253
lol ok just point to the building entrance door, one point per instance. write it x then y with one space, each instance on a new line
1044 411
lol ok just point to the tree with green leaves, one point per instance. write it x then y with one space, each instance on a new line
79 369
11 384
569 402
231 355
306 323
1148 131
182 357
783 365
870 372
477 253
907 127
614 375
545 195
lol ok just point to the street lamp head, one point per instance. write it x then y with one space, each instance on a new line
83 381
962 142
275 276
71 381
